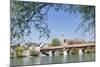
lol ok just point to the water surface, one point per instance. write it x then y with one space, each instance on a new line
52 59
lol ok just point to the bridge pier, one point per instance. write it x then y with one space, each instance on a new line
68 51
81 51
51 53
65 52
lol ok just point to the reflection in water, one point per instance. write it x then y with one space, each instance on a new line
65 58
52 59
81 57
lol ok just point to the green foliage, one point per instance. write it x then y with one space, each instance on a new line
55 42
19 51
26 16
88 19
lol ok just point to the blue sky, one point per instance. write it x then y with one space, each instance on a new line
60 22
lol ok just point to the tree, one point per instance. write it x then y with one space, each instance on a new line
28 15
55 42
19 51
88 19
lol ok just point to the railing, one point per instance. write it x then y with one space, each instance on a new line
68 47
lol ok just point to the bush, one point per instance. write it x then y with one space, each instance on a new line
19 51
55 42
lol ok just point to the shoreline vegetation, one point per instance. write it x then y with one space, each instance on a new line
34 50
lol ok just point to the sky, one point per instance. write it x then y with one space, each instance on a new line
58 23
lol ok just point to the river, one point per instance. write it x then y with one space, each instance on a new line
52 59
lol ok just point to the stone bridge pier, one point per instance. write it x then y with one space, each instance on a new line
81 51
